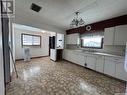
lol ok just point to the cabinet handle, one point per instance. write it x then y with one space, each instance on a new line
85 64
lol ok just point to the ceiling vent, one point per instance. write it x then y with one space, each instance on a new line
35 7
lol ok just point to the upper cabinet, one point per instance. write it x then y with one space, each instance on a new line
120 35
72 39
109 36
60 41
115 35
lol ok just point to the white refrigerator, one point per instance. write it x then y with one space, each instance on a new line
56 43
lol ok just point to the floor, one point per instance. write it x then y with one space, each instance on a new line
45 77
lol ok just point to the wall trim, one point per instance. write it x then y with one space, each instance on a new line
32 58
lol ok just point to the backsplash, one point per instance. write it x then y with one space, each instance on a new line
117 50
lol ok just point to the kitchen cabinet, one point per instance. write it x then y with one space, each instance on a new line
120 71
74 57
109 66
120 35
91 62
72 39
113 66
115 35
60 41
81 59
109 36
100 64
67 55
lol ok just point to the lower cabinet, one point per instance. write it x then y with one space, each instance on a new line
73 57
80 59
100 64
91 62
120 71
68 55
109 67
112 66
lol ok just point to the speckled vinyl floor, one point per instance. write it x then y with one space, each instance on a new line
45 77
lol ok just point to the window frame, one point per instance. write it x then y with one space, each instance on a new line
102 42
30 35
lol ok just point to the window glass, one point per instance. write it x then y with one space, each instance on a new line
31 40
27 40
36 40
92 40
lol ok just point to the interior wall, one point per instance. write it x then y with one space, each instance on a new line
35 51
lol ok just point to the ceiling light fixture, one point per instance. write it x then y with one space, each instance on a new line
77 22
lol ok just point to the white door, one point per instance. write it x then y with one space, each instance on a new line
100 64
120 71
109 67
91 62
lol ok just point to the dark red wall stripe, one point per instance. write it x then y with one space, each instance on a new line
122 20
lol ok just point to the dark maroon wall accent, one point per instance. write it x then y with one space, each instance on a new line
122 20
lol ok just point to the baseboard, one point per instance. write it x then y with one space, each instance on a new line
19 59
32 58
39 57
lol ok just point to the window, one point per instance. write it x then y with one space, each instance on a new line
92 40
31 40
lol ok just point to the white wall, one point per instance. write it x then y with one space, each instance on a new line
1 65
34 50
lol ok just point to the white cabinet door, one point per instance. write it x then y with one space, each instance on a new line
120 71
120 35
109 66
80 59
74 57
100 64
60 41
68 39
109 36
72 38
67 55
91 62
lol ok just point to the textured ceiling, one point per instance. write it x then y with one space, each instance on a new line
59 13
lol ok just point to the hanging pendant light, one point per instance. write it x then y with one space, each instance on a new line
77 22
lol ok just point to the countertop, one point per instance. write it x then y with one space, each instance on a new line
96 53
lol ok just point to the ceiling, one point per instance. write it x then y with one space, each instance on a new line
59 13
